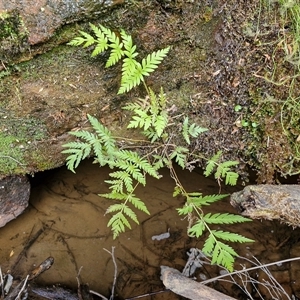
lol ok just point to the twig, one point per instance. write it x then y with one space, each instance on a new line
99 295
23 288
250 269
2 284
115 273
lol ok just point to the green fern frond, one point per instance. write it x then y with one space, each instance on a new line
160 123
131 78
131 214
141 163
114 195
222 170
104 134
114 207
125 177
151 135
86 39
117 224
138 203
209 245
185 210
197 229
223 255
225 218
231 237
231 178
180 154
116 185
78 151
212 163
151 62
101 41
195 130
205 200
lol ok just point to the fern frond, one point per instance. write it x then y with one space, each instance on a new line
116 223
209 245
151 135
115 185
78 151
86 39
225 218
101 41
133 170
231 178
197 229
184 131
141 163
223 255
151 62
231 237
114 207
138 203
195 130
185 210
206 200
131 78
160 123
130 49
104 135
180 154
114 195
125 177
212 163
131 214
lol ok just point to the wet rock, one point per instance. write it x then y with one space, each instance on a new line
30 22
14 197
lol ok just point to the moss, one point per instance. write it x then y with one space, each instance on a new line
18 136
13 35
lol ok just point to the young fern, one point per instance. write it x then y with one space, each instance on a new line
222 169
150 115
133 72
220 252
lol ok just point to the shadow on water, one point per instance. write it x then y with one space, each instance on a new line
66 220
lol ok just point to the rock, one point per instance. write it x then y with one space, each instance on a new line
30 22
271 202
14 197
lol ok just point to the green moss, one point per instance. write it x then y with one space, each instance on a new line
18 137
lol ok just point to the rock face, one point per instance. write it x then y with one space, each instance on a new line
14 197
30 22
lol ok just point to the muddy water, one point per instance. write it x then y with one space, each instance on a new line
66 219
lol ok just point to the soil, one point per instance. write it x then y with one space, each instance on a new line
66 220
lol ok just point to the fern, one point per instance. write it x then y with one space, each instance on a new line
212 163
222 169
150 116
180 155
133 72
220 252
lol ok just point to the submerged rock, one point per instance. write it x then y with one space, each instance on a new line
14 197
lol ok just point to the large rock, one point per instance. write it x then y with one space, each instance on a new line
14 197
31 22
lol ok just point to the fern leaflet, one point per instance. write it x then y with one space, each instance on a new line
211 163
224 218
